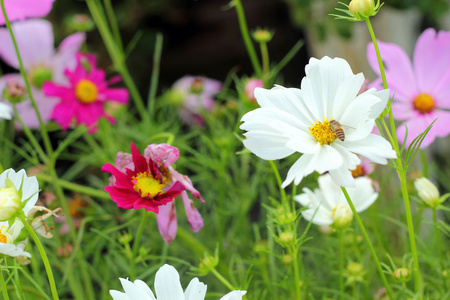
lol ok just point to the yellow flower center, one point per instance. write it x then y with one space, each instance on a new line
86 91
147 186
357 172
3 238
424 103
322 132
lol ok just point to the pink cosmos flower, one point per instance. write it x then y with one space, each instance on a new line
250 87
421 88
41 62
163 156
83 99
21 9
196 93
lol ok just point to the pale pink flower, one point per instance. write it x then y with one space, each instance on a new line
421 88
82 100
197 94
22 9
41 63
250 87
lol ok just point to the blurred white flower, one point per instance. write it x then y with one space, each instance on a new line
326 120
17 190
167 287
330 203
5 111
427 191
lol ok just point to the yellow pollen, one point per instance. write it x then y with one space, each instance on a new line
357 172
147 186
3 238
424 103
322 133
86 91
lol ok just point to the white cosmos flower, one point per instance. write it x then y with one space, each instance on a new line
298 120
8 235
5 111
330 203
167 287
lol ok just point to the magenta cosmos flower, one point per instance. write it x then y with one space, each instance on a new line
421 88
41 63
22 9
162 156
83 99
196 93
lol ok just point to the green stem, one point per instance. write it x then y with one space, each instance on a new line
44 257
369 243
437 237
30 136
113 22
246 36
266 62
341 263
279 182
3 284
293 251
155 75
223 280
423 159
117 57
44 133
75 187
136 245
411 234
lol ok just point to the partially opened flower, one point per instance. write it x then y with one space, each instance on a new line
162 156
167 287
421 88
17 191
82 100
196 93
41 63
143 186
327 205
326 120
22 9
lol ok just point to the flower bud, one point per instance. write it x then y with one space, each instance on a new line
342 216
354 269
286 237
402 274
80 22
427 191
125 238
207 264
65 250
286 259
9 200
14 92
362 9
262 35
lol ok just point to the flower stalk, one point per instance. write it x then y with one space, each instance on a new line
369 243
136 245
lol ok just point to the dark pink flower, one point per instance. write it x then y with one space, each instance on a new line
21 9
143 185
163 156
421 88
83 99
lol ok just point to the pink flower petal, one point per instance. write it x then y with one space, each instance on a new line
193 216
399 71
65 56
167 222
21 9
116 94
431 60
34 40
163 154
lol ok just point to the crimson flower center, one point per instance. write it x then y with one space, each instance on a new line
86 91
423 103
147 186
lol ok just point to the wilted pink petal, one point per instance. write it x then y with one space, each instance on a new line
167 222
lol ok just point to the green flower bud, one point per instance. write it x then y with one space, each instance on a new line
286 259
427 191
402 275
362 9
354 269
40 75
80 22
262 35
342 216
9 200
286 237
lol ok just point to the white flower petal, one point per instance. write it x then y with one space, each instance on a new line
363 195
345 94
196 290
116 295
378 108
167 284
302 167
12 250
5 111
234 295
374 147
287 100
343 177
144 287
133 291
267 145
